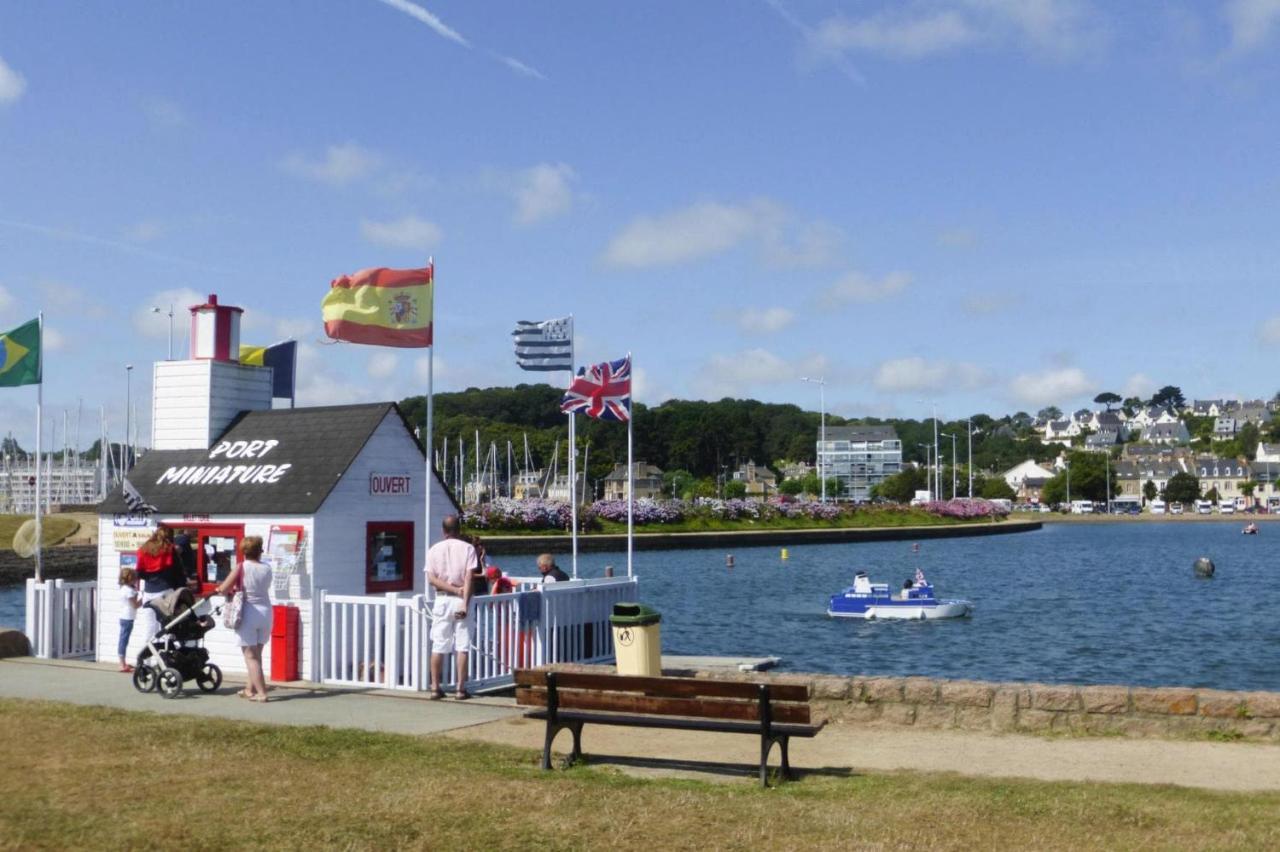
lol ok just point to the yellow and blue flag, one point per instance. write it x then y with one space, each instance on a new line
281 358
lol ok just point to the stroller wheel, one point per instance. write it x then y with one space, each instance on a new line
210 678
170 683
144 678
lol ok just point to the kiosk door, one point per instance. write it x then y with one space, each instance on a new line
217 549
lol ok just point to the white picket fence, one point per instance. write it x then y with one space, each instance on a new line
385 642
62 618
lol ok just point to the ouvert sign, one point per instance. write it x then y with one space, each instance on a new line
389 484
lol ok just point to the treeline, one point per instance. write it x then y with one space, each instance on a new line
707 439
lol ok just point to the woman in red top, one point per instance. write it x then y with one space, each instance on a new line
158 565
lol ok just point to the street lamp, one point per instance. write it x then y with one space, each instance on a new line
927 468
970 456
156 310
821 382
937 475
128 408
953 464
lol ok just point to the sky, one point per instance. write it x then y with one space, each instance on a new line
954 205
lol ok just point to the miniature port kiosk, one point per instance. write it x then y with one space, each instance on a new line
337 493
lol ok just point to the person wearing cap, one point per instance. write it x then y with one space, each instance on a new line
549 570
498 584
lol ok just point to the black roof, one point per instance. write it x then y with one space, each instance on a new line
298 456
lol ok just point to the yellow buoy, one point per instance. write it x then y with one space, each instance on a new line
784 553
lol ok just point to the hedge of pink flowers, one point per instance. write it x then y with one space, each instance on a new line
506 514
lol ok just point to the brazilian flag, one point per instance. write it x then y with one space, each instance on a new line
20 355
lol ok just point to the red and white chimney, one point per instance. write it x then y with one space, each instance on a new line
215 331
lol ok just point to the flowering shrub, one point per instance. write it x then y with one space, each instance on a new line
507 514
965 508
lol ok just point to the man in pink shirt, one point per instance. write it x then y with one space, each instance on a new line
449 566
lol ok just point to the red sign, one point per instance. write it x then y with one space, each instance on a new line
389 484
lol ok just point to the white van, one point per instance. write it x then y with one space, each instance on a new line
1227 507
1204 507
1157 507
1082 507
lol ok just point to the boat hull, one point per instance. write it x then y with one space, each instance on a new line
905 611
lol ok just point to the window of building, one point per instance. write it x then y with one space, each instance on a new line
388 556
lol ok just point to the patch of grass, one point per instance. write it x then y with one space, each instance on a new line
53 528
83 777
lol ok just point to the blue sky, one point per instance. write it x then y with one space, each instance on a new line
986 205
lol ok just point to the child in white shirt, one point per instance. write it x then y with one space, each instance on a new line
129 601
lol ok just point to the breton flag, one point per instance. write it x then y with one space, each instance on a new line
381 307
602 391
20 355
280 358
546 345
134 501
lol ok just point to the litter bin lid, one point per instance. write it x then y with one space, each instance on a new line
633 614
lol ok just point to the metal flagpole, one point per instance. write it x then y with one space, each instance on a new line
39 465
431 374
293 388
573 460
631 468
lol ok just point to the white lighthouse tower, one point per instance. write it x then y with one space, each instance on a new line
193 401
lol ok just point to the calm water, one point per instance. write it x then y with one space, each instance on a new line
1073 603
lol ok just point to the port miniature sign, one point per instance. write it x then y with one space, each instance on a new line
217 474
389 484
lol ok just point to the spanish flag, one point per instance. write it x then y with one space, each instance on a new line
20 355
381 307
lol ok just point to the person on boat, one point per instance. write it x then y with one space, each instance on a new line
550 571
498 582
907 586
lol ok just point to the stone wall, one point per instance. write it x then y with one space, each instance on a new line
1132 711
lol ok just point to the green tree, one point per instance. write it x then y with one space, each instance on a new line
902 486
1248 438
1169 396
1049 412
1149 490
1131 405
1247 489
792 487
1182 488
996 488
705 487
735 489
1107 398
677 484
1213 496
1085 478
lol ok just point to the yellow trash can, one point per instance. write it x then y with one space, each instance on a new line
637 641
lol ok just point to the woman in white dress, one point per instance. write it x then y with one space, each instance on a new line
255 622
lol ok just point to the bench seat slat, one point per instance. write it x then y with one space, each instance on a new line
681 687
710 725
619 702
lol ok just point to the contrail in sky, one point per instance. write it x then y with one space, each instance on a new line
810 38
419 13
128 248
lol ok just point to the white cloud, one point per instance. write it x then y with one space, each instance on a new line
917 374
1139 385
6 299
986 304
163 113
12 84
857 287
764 320
52 339
382 365
1051 386
543 192
1269 331
813 244
156 325
408 232
296 328
419 13
1252 22
692 233
897 34
319 384
742 373
1058 28
340 165
145 231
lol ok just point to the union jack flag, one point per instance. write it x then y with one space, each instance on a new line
602 391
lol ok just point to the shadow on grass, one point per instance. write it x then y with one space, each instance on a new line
743 771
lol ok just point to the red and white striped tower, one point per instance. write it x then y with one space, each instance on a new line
215 331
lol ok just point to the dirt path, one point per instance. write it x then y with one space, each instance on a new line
841 748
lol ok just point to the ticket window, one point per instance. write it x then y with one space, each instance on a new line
388 556
217 551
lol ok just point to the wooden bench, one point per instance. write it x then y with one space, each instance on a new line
774 712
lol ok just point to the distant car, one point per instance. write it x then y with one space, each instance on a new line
1227 508
1175 509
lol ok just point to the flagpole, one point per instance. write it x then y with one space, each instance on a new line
293 387
431 374
39 464
631 468
573 461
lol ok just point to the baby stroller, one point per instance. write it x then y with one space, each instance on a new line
176 653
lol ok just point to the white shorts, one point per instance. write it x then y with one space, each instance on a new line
448 632
255 625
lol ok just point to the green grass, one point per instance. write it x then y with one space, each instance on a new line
95 778
53 528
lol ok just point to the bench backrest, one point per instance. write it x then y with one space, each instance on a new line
664 696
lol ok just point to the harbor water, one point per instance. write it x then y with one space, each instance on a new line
1086 603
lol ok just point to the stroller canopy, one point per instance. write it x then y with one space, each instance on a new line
172 603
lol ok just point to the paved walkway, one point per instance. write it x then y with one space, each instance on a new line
840 749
